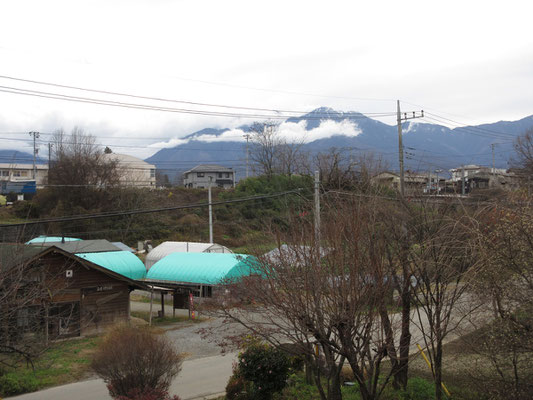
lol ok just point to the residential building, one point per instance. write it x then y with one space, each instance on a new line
14 172
414 182
134 171
201 176
481 177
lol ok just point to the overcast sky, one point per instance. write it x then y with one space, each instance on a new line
471 61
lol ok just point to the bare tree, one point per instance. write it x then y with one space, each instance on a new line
524 149
504 347
273 154
265 143
26 290
325 295
78 161
444 264
337 169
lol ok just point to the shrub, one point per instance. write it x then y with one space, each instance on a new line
134 360
236 388
266 367
147 394
12 384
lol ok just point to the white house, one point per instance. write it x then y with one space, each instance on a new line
202 175
134 171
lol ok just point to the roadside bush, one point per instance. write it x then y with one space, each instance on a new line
147 394
266 367
12 384
236 388
134 361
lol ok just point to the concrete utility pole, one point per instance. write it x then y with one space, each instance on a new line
463 179
493 166
35 151
399 121
247 137
317 206
210 210
438 171
49 154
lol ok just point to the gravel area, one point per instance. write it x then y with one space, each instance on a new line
187 336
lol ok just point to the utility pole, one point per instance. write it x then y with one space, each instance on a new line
247 137
49 154
35 151
438 171
210 210
317 207
493 166
463 180
399 121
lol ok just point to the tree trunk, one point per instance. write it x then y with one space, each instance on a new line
438 370
402 367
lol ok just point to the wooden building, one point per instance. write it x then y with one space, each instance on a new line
59 294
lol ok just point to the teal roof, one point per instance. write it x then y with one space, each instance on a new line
201 268
52 239
121 262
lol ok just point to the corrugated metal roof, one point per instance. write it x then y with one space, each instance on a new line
121 262
51 239
166 248
201 268
123 246
209 168
14 254
82 246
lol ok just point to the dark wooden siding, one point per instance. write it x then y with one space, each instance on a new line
103 299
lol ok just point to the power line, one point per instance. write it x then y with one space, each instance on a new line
156 98
148 211
59 96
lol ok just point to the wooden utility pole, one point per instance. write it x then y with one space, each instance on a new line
247 137
317 206
399 121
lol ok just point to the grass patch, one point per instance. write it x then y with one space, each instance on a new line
166 320
63 362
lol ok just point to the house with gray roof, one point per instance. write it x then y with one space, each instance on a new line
202 175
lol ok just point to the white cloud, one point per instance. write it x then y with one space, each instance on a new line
234 135
327 128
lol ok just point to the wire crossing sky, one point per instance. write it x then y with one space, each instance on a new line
158 70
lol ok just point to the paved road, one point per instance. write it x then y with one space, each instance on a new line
198 379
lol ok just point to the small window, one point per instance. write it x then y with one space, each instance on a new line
227 174
220 174
5 173
200 174
152 173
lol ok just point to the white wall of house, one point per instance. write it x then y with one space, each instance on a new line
200 180
24 172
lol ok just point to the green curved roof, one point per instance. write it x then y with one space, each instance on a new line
201 268
52 239
121 262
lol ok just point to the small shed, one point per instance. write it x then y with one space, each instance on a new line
124 263
167 248
52 239
201 268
